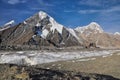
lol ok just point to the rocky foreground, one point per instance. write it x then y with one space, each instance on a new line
15 72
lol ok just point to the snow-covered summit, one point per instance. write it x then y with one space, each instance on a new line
93 26
53 23
116 33
42 14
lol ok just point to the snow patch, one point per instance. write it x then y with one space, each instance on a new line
86 59
42 15
56 26
10 23
7 25
20 52
4 28
25 22
44 33
73 33
116 33
33 36
38 24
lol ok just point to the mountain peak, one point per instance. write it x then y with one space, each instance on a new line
42 14
96 26
116 33
95 23
93 26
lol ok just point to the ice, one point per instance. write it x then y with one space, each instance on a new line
38 57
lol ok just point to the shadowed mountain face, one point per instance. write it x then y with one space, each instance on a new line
41 30
14 72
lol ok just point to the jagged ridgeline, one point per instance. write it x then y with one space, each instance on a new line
42 31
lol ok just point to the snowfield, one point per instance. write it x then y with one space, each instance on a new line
39 57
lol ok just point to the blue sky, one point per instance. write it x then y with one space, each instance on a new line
70 13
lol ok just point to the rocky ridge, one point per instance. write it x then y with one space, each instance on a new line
37 31
95 36
42 31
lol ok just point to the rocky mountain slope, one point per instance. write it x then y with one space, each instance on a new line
94 36
14 72
42 31
7 25
39 30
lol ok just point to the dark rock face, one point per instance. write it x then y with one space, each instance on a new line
38 30
14 72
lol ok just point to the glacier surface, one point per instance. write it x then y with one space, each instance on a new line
39 57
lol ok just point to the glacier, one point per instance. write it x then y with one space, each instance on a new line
39 57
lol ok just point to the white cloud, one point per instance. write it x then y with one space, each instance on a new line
43 3
68 11
88 11
110 10
99 3
15 1
109 18
90 2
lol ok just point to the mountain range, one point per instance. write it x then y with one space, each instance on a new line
42 31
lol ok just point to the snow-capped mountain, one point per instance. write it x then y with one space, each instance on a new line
40 30
94 35
116 33
93 27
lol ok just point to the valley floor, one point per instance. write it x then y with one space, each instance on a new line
97 61
108 64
